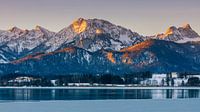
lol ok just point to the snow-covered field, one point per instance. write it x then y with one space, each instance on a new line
183 105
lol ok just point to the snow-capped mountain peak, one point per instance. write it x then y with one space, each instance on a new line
95 34
186 26
90 27
88 34
79 25
93 44
187 31
16 30
181 34
39 28
171 31
17 42
44 31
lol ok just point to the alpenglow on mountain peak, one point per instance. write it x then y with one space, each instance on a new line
95 34
79 25
186 26
97 45
16 30
181 34
89 34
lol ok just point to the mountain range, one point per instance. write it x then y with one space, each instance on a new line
97 46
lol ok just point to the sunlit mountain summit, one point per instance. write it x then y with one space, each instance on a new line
97 46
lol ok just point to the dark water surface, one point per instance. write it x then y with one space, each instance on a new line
94 94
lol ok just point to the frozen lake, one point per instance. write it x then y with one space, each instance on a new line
106 99
142 105
54 94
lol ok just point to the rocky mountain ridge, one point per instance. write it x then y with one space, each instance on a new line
97 46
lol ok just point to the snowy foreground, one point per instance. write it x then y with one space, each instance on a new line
182 105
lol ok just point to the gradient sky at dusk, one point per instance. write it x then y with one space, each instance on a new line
146 17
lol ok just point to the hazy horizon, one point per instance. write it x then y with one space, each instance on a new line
147 17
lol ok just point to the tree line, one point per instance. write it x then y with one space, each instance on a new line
64 80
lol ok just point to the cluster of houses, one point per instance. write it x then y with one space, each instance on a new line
171 79
21 80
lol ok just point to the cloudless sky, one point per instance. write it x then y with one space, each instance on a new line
146 17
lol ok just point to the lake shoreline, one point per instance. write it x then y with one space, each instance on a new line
156 88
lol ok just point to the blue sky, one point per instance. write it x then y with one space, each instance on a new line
147 17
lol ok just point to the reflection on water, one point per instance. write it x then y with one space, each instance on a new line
94 94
